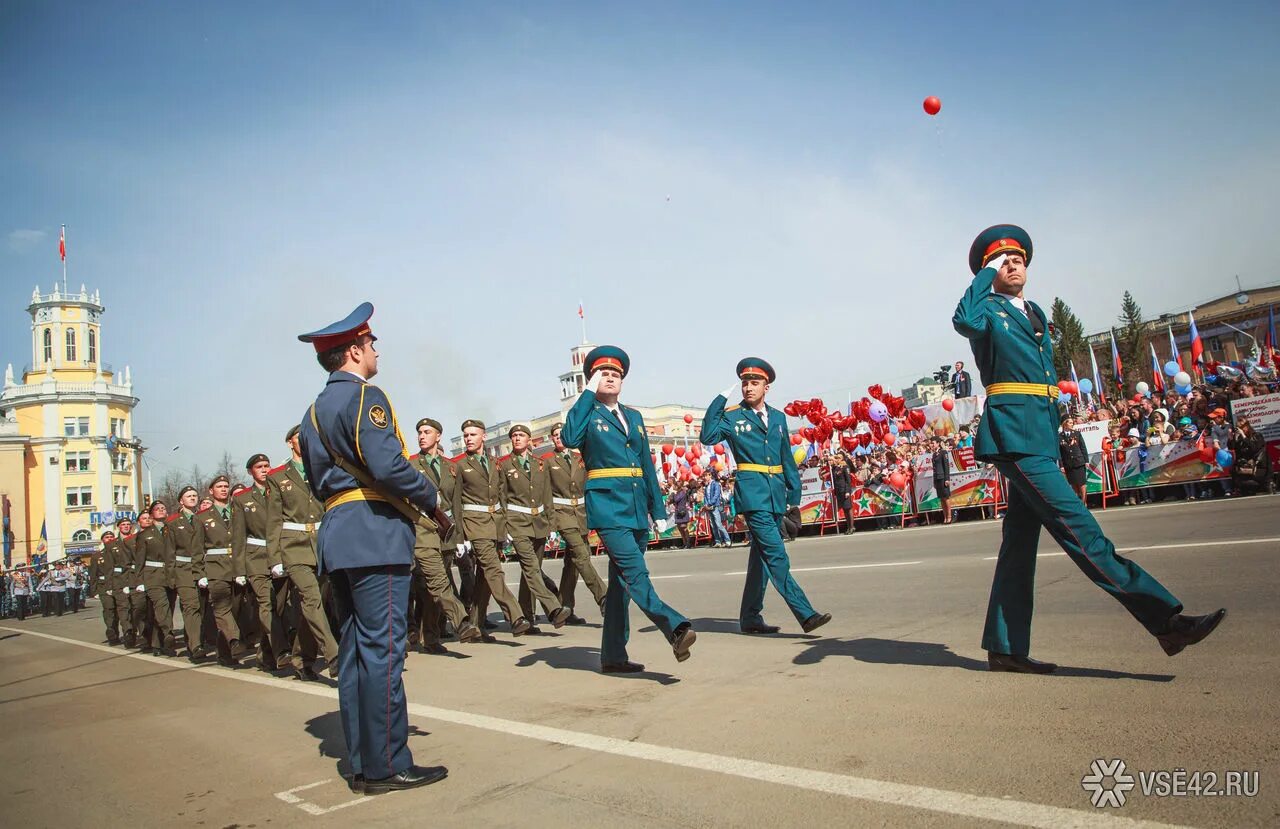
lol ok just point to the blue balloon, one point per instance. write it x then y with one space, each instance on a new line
1147 394
1086 386
1064 397
1224 458
1182 389
1171 368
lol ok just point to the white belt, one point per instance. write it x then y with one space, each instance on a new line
523 510
217 551
480 508
301 528
566 502
118 569
448 513
155 563
256 542
183 559
102 578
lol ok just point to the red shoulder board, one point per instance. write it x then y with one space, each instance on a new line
415 456
503 458
172 518
279 468
458 457
203 511
130 536
239 491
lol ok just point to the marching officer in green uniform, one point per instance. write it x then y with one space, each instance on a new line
249 542
436 599
568 475
623 500
1011 343
768 484
293 522
102 585
120 557
525 495
217 568
477 508
183 538
139 617
157 577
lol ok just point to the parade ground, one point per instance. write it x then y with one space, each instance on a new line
889 718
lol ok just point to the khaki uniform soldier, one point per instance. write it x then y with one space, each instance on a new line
217 568
568 474
157 579
477 505
437 600
101 585
183 538
249 541
293 519
526 495
139 616
120 557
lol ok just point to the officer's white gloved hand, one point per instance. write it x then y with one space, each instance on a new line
241 580
110 593
661 525
126 591
510 539
461 551
277 570
142 588
594 382
555 538
203 582
997 263
734 390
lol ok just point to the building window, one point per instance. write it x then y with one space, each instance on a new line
93 346
1212 344
75 427
48 345
79 496
119 461
71 345
77 461
120 496
82 535
117 427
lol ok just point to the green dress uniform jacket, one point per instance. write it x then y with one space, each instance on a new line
293 518
767 478
567 475
184 541
628 498
442 475
249 530
216 559
526 495
99 574
477 500
156 555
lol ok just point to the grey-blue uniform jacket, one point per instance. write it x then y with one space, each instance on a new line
360 528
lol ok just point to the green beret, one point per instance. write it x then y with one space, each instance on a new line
996 240
607 356
755 367
256 458
219 479
429 421
519 427
293 430
479 424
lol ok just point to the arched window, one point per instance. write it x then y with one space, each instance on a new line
71 345
82 535
93 346
48 345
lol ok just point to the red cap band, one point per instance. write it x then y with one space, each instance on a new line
1003 246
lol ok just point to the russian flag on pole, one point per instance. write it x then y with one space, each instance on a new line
1173 349
1157 376
1116 365
1269 346
62 243
1197 347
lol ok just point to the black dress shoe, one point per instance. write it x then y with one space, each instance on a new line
410 778
575 620
306 673
534 630
1187 630
435 649
357 783
1013 664
682 638
621 667
487 625
760 628
814 622
468 632
520 626
333 668
559 617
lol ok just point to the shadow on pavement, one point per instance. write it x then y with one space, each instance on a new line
579 658
935 655
327 729
707 624
75 667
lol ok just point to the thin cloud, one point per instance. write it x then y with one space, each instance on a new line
24 239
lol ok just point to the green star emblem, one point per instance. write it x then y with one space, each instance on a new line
864 502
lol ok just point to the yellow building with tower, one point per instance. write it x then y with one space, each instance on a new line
69 463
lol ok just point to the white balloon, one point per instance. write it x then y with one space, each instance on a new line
1182 379
1142 387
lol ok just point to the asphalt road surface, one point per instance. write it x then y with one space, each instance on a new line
888 718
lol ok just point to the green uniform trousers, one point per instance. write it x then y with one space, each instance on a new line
577 562
490 581
315 636
533 584
191 604
436 599
160 606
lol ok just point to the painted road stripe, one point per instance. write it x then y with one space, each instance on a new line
684 576
1189 544
943 801
839 567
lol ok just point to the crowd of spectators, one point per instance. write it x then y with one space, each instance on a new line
50 590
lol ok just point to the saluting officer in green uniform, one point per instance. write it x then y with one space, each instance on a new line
1011 344
436 599
568 475
526 496
623 501
768 484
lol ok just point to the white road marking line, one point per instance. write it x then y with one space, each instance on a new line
1186 545
684 576
943 801
840 567
289 796
317 811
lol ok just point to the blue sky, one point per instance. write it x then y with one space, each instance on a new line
713 179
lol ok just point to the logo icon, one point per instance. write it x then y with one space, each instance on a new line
1107 782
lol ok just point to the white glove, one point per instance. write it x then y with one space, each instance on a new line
555 538
142 588
461 551
997 262
202 582
594 382
110 593
241 580
277 570
661 525
126 591
510 540
735 388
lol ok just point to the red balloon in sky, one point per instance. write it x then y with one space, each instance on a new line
932 105
688 418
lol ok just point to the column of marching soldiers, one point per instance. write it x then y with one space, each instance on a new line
243 572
